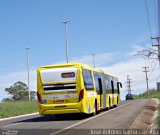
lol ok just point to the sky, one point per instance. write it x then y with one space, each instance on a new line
114 30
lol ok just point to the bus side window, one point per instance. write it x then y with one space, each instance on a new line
107 83
100 85
112 84
88 80
98 82
118 87
115 85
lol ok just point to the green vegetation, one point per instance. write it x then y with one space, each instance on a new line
19 91
18 103
158 119
15 108
152 94
145 95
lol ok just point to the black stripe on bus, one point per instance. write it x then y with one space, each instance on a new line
59 88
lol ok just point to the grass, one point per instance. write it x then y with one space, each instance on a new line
152 94
145 95
158 118
15 108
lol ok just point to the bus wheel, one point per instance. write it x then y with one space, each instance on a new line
110 107
116 103
95 109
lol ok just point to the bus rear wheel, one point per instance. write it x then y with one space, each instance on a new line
95 109
116 103
110 103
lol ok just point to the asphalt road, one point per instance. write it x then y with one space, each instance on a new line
120 117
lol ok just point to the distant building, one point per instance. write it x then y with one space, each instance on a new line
158 85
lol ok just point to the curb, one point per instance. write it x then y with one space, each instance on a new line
9 118
146 119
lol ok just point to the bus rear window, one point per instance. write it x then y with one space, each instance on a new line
55 75
68 75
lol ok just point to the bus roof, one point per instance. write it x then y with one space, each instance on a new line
109 74
66 64
76 64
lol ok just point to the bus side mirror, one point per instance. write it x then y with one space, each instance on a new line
120 84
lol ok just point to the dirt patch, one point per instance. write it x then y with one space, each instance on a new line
147 118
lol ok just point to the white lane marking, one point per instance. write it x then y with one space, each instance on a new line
90 118
12 125
18 116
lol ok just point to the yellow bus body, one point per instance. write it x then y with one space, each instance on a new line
63 89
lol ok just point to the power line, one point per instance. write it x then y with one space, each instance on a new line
153 67
139 73
155 7
158 18
148 19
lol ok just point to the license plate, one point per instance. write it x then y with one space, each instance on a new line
59 101
62 106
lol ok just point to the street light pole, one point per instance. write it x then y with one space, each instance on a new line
93 60
27 49
66 33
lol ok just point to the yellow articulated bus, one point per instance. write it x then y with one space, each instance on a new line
75 88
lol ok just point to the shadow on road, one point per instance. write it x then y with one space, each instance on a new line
63 117
60 117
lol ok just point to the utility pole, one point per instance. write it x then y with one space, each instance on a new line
29 96
93 55
158 18
146 71
158 46
66 33
128 84
158 36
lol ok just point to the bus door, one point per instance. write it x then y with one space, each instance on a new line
99 82
100 91
112 84
104 91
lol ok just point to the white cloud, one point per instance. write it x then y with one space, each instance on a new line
133 68
100 59
137 47
9 79
110 62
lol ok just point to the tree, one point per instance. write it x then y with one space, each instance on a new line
152 55
19 91
7 99
148 53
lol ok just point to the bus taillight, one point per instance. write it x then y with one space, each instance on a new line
39 98
81 94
